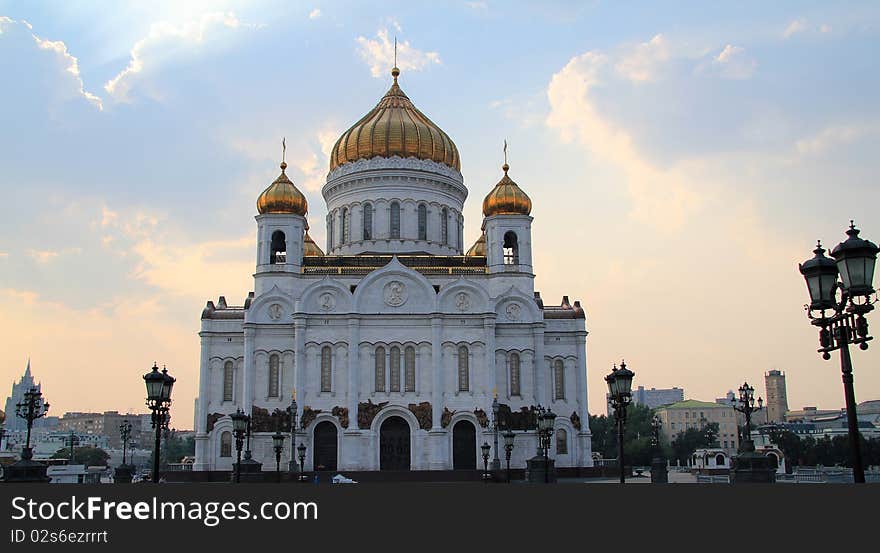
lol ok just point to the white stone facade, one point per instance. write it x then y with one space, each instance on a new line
406 322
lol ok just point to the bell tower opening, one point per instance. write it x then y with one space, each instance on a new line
278 250
511 248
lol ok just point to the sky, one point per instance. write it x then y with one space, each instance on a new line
681 158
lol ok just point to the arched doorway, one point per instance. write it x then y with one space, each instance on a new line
394 444
464 446
324 446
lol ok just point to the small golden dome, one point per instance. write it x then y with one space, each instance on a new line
507 198
310 248
479 247
395 127
282 197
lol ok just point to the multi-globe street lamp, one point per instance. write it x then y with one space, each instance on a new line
842 322
30 408
545 419
159 387
292 411
496 463
123 473
125 434
709 430
301 450
620 395
240 425
278 446
485 448
659 472
746 405
509 438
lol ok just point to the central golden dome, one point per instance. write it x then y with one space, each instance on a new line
395 127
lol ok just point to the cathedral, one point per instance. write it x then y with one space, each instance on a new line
396 341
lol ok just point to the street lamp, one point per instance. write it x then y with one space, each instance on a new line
496 463
620 395
546 418
278 446
709 430
123 473
486 447
30 408
746 406
846 324
159 386
659 473
301 450
73 440
292 411
240 424
125 433
509 437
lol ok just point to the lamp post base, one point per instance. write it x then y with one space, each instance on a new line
123 474
540 470
752 468
659 472
251 470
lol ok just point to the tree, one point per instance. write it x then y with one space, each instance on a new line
685 443
86 455
636 437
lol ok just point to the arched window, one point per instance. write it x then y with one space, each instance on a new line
278 253
463 369
719 460
368 221
395 220
409 366
380 369
395 369
226 444
559 379
228 381
514 374
423 222
444 226
274 373
511 248
561 442
326 368
343 221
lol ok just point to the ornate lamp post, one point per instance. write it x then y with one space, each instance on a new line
278 446
159 387
843 322
496 463
301 450
546 418
73 440
620 393
485 448
659 473
509 438
292 411
123 473
240 424
26 469
749 466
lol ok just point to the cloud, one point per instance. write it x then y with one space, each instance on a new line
661 197
378 53
4 255
734 63
479 6
45 256
641 62
833 136
166 41
68 62
801 25
315 13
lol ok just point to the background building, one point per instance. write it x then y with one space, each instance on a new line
652 398
24 384
776 400
683 415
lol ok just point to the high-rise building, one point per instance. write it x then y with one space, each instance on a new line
25 383
777 400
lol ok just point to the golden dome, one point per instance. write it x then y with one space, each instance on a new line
479 247
282 197
395 127
507 198
310 248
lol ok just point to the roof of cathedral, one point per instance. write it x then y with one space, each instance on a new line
479 247
310 248
282 197
395 127
507 198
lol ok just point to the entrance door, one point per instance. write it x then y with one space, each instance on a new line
324 450
394 444
464 446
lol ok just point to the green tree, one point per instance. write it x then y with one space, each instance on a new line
685 443
86 455
636 437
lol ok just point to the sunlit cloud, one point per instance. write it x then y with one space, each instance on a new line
378 53
315 13
641 62
834 136
166 40
801 25
734 63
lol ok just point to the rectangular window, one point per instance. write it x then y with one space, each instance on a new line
395 369
463 369
228 381
326 368
410 369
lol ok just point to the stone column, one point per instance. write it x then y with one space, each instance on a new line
299 359
354 340
539 377
581 369
247 400
436 372
491 378
204 377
